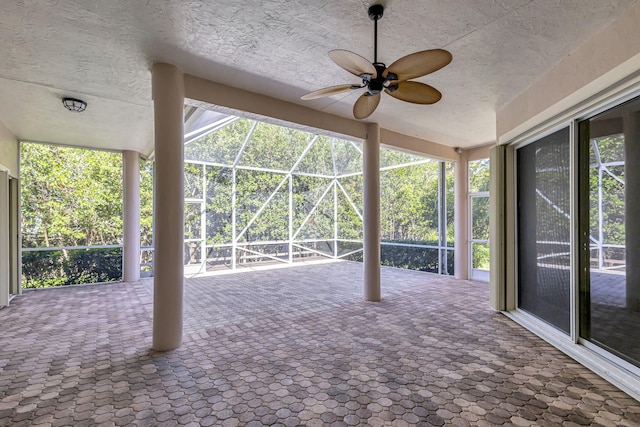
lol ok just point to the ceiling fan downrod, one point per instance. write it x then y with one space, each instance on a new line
377 85
375 12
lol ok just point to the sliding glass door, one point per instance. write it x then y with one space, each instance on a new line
576 265
610 230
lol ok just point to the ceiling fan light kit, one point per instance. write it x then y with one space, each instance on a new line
377 77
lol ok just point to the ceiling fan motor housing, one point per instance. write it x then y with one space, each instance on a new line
380 83
376 85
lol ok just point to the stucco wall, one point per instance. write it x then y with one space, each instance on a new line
8 150
479 153
419 146
602 61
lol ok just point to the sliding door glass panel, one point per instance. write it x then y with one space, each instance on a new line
480 259
479 176
480 232
543 178
480 218
610 312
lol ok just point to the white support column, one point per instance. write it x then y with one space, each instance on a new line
461 217
335 201
131 216
15 268
203 221
290 219
335 217
4 238
371 213
442 219
234 214
168 100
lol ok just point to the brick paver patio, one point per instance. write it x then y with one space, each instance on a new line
295 346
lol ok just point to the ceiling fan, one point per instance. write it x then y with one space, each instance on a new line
377 77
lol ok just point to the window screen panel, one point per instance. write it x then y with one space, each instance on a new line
543 177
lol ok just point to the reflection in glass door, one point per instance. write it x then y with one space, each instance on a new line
610 230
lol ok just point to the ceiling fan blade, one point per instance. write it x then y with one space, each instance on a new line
353 63
416 92
327 91
365 106
419 64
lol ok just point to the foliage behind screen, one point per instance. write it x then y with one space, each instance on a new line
70 197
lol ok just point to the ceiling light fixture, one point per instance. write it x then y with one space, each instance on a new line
75 105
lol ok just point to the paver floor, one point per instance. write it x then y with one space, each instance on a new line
295 346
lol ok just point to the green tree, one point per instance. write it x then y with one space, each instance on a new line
70 197
409 204
146 203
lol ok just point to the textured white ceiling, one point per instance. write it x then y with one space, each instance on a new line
101 51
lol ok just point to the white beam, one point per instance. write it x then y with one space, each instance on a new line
418 146
238 99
